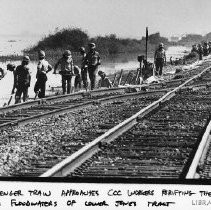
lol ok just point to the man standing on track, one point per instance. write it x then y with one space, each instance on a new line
92 60
22 78
160 59
43 68
83 68
200 51
66 63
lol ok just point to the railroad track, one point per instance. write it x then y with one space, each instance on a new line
151 147
80 127
158 147
61 146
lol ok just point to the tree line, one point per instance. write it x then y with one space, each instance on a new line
73 38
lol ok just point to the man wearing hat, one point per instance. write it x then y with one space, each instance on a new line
160 59
22 80
66 65
92 60
43 68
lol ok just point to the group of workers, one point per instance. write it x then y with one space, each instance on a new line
202 49
71 75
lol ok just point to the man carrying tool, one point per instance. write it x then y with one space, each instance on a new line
83 68
2 73
92 60
22 79
160 59
104 81
43 68
66 64
11 67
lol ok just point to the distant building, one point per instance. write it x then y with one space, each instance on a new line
175 38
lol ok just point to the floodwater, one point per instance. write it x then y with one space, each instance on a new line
109 65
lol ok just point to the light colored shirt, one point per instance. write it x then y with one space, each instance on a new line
160 54
66 65
43 67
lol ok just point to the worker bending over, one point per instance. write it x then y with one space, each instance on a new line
104 81
2 73
11 67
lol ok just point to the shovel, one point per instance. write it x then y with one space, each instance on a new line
10 100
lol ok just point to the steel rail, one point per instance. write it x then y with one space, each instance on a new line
73 96
68 165
200 154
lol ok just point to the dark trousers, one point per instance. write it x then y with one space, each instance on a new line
21 90
40 86
92 70
84 77
66 83
200 56
78 82
159 66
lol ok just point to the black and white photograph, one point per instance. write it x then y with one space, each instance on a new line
106 92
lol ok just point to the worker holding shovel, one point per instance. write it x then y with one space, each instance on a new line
11 67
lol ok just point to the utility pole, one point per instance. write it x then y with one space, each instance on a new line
146 41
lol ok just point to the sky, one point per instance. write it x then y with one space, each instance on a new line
126 18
